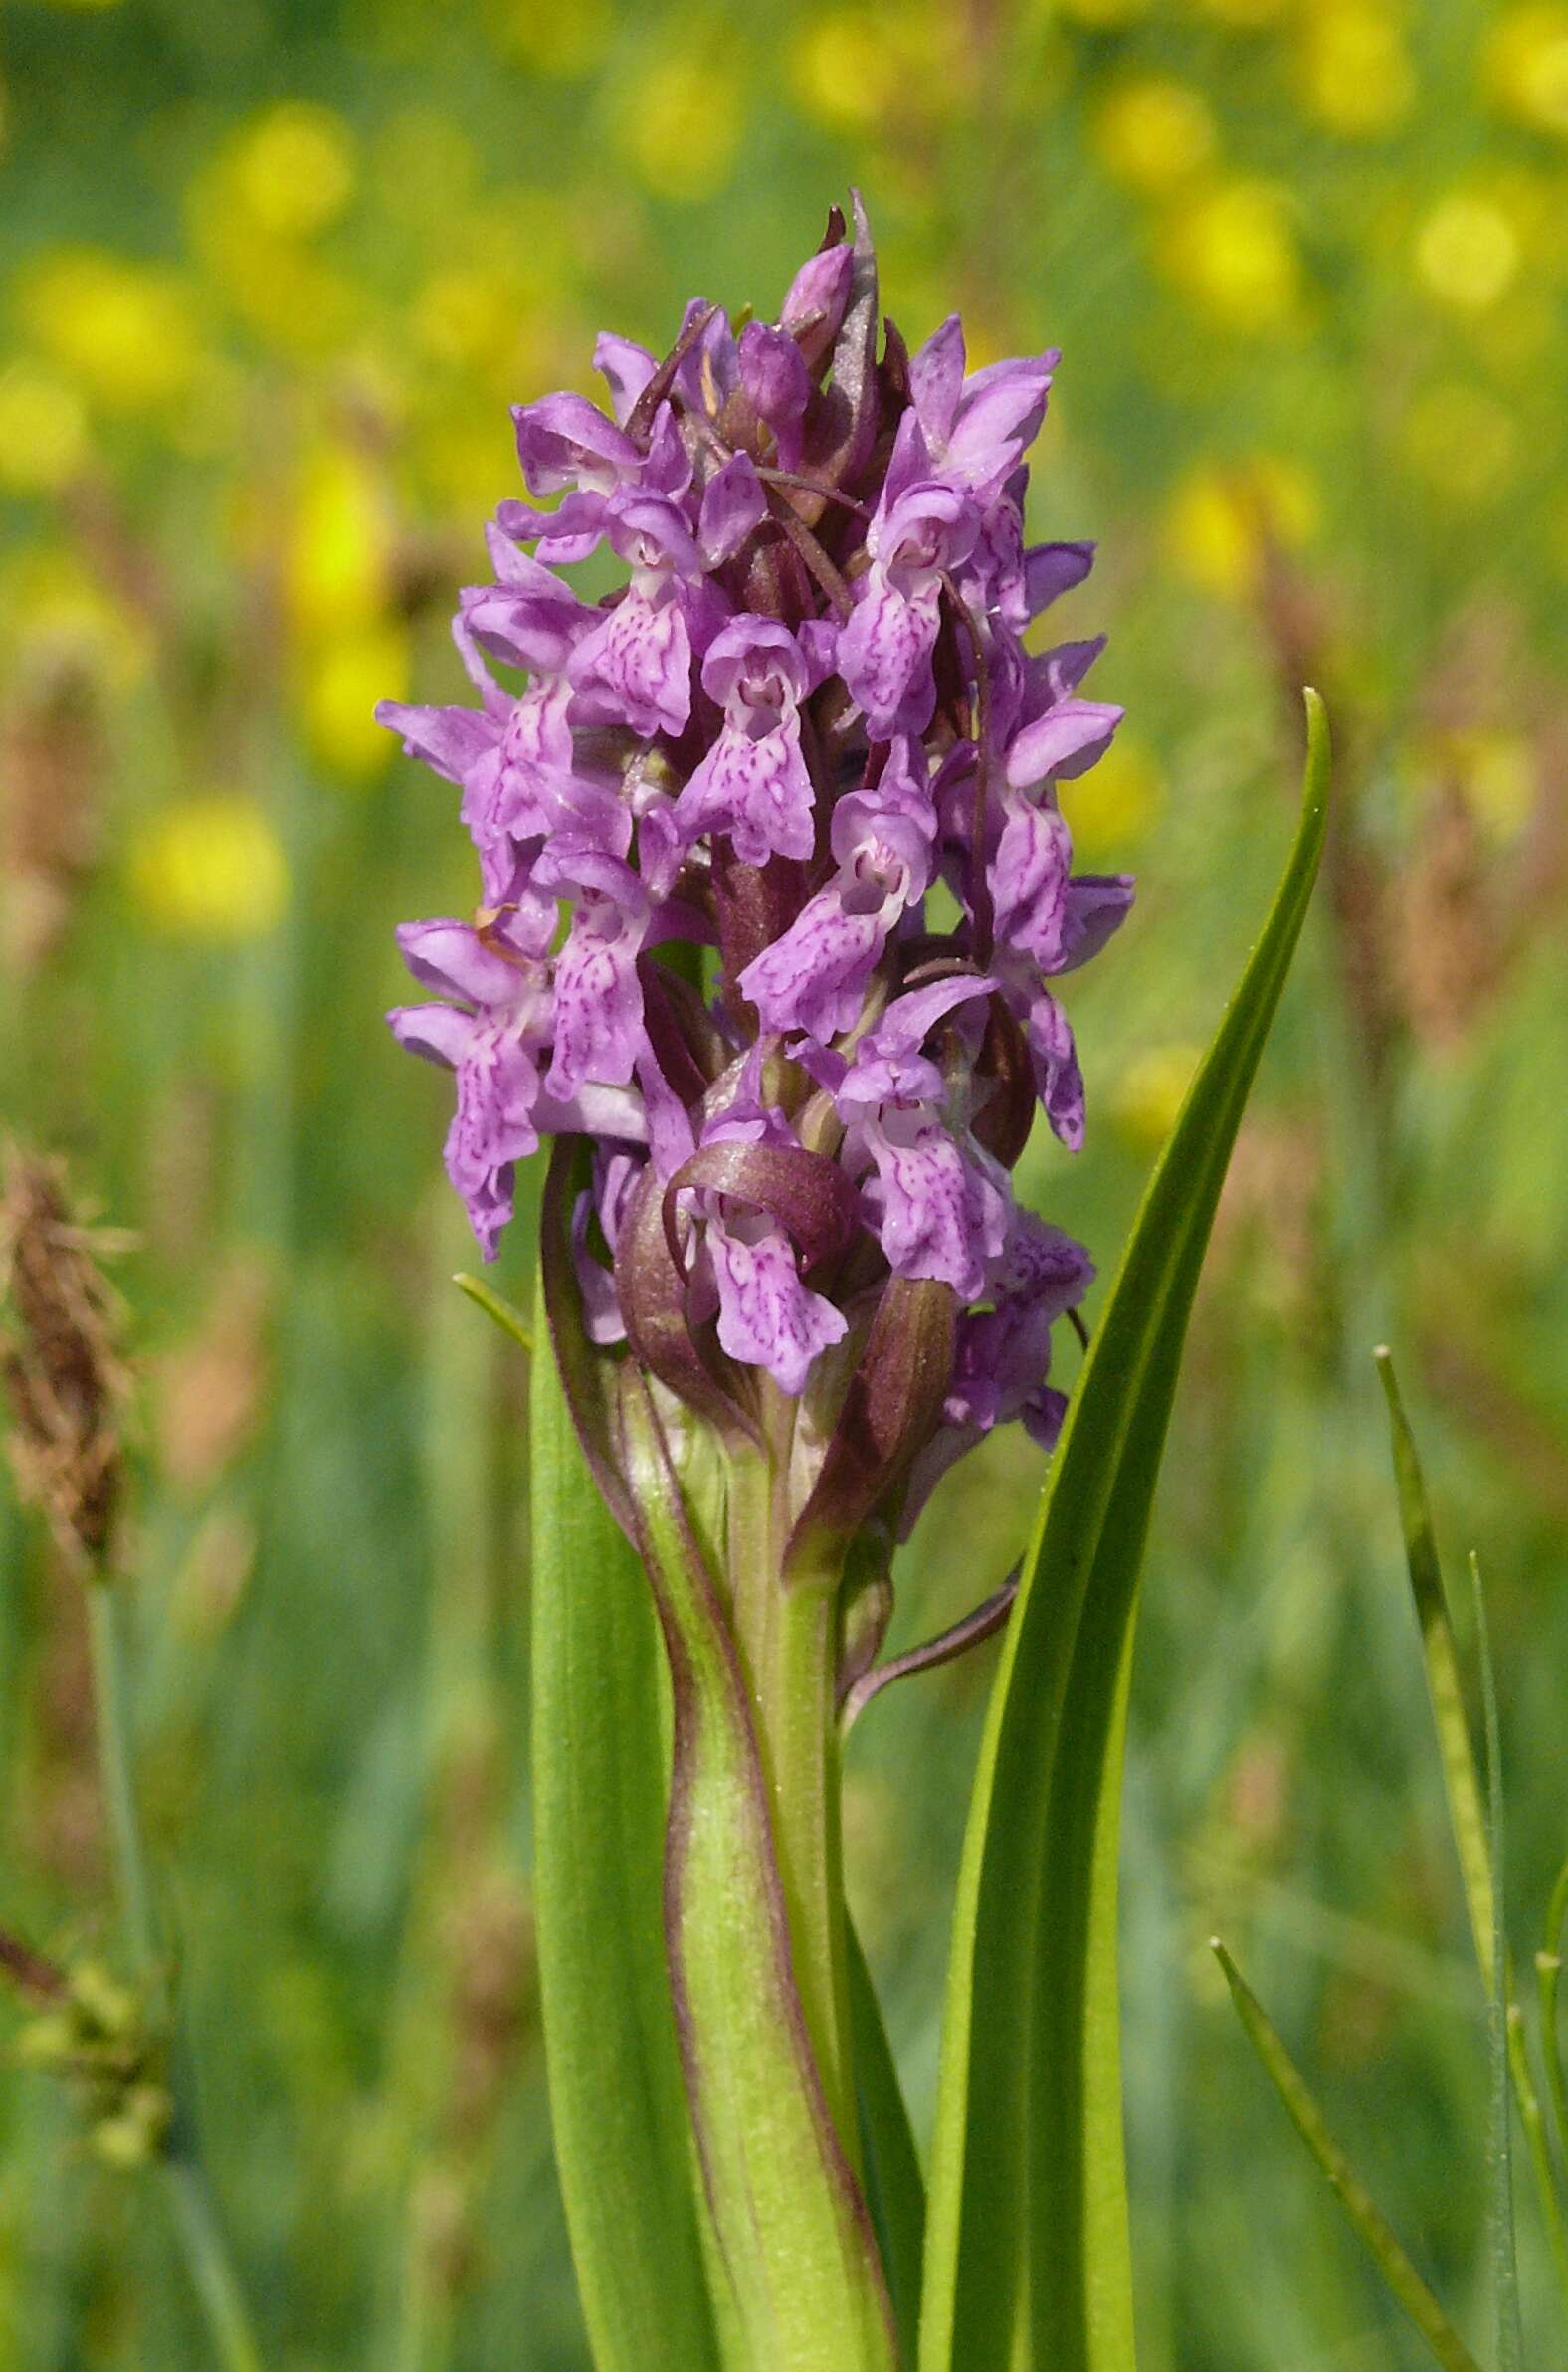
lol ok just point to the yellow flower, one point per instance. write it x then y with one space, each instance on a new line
1113 805
209 868
282 291
339 553
1353 70
343 681
553 40
1468 252
679 123
292 170
1221 521
1153 134
1148 1095
842 70
1527 66
1496 775
1232 250
43 429
125 331
1461 441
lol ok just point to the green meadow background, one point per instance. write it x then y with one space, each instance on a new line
271 273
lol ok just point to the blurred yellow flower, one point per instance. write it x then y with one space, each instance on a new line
209 868
339 553
550 40
43 429
1153 134
124 330
1527 66
1461 441
1148 1095
1468 252
280 290
679 124
1231 251
292 170
1496 775
466 316
343 681
842 69
1221 520
1353 70
1112 806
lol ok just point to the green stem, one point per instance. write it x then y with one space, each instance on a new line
195 2218
106 1619
788 1643
1548 1971
207 2261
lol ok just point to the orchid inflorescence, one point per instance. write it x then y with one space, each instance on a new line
744 781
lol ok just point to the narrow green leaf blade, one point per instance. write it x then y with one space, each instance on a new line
1405 2283
1500 2154
1027 2258
894 2185
1459 1778
600 1760
511 1321
1549 1976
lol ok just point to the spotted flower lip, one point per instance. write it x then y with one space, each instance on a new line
776 888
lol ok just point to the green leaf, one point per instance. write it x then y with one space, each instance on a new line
1500 2154
511 1321
600 1763
894 2185
1548 1975
1467 1815
1026 2256
1404 2283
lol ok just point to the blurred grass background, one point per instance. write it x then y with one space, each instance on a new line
269 274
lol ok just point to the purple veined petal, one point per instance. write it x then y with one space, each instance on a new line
999 415
531 621
626 369
449 741
1051 569
815 977
598 996
734 504
1042 1266
440 1033
450 956
911 1018
941 1216
754 646
1058 1080
766 1316
1028 878
668 468
757 791
885 656
1054 675
818 643
636 666
560 537
670 1136
565 441
909 464
1096 906
492 1128
1063 743
936 379
652 536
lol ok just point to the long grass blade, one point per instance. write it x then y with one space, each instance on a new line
1027 2258
1504 2245
1469 1817
1404 2283
1548 1977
